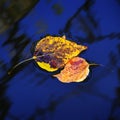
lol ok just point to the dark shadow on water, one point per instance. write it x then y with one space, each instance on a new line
5 102
18 44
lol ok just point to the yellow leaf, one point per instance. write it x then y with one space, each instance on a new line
56 51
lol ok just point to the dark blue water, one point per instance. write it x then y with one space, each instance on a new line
30 93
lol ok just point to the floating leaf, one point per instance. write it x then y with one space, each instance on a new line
56 51
52 53
76 70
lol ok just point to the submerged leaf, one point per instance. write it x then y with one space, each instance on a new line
76 70
56 51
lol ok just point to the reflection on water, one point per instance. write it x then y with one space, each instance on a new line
30 93
11 11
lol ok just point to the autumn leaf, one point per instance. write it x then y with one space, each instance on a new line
52 53
56 51
76 70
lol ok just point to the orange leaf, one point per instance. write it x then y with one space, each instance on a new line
76 70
